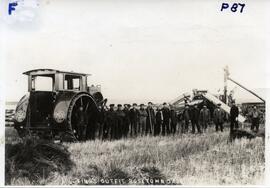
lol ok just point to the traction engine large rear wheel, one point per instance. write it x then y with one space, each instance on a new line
82 117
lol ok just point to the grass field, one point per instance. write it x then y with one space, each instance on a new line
187 159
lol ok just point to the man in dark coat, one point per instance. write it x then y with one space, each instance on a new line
187 119
120 115
126 120
110 119
195 113
219 117
204 117
173 121
180 120
142 120
100 120
255 119
234 112
166 119
159 120
150 120
106 127
134 118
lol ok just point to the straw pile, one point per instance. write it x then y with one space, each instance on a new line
35 159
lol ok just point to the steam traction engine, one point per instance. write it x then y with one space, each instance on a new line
58 104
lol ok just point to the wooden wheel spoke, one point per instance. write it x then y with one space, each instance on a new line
86 108
81 102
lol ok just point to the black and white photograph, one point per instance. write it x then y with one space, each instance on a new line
134 92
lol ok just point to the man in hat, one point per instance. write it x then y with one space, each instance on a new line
234 112
166 119
101 121
110 120
159 120
120 115
151 119
255 119
126 120
142 120
195 113
187 119
134 118
173 122
204 117
219 117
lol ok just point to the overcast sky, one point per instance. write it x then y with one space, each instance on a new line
139 50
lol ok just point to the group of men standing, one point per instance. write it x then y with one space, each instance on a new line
142 120
254 115
201 118
136 120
